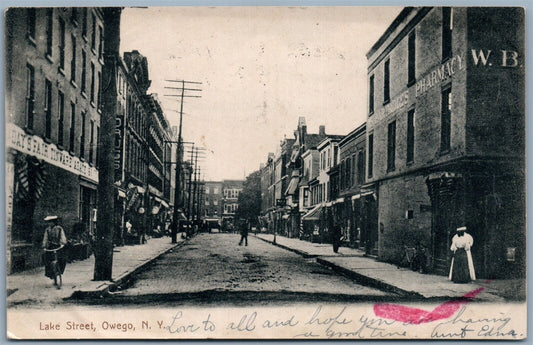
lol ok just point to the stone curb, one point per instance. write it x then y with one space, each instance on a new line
360 278
368 281
297 251
108 286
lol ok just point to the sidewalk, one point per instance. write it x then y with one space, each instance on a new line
389 277
32 286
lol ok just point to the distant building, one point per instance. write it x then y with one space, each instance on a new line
231 190
446 135
213 200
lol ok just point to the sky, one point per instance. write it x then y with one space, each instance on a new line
261 68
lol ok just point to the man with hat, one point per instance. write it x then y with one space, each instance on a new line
54 238
462 267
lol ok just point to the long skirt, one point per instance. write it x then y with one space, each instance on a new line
459 271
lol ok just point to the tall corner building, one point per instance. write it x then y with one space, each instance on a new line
446 135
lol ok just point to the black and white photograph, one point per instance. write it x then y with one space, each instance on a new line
265 172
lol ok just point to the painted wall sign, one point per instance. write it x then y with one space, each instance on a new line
439 74
119 131
397 103
35 146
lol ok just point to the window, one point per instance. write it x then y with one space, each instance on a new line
410 135
73 61
354 170
48 108
215 190
93 34
348 172
61 117
97 146
386 82
72 125
100 43
74 16
447 18
49 31
91 143
215 202
206 190
82 137
99 106
30 24
411 58
361 167
371 96
391 146
446 113
370 154
30 96
61 45
92 83
83 70
84 24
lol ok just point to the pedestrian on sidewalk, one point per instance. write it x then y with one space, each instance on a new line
462 267
244 233
54 238
336 235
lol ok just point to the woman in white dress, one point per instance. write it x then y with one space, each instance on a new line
462 268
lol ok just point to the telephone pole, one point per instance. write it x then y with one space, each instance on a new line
177 200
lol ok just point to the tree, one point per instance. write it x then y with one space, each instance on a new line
250 198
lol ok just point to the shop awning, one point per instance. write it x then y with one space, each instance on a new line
314 214
121 193
164 203
356 196
293 185
285 216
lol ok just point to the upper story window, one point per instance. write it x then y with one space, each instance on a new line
361 167
48 108
410 136
61 45
30 24
84 23
411 68
60 116
30 96
73 61
93 34
74 16
370 155
49 31
83 71
72 126
391 146
386 81
447 27
446 119
371 96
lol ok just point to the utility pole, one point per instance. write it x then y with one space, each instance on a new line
105 225
189 189
177 201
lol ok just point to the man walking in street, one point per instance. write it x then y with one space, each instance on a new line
244 233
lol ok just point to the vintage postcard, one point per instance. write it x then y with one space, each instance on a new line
265 173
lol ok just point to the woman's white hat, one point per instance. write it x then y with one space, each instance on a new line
462 228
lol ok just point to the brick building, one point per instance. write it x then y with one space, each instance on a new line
213 200
445 135
54 59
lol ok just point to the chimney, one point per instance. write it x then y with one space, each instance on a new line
322 131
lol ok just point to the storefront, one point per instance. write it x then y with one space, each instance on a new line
41 180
